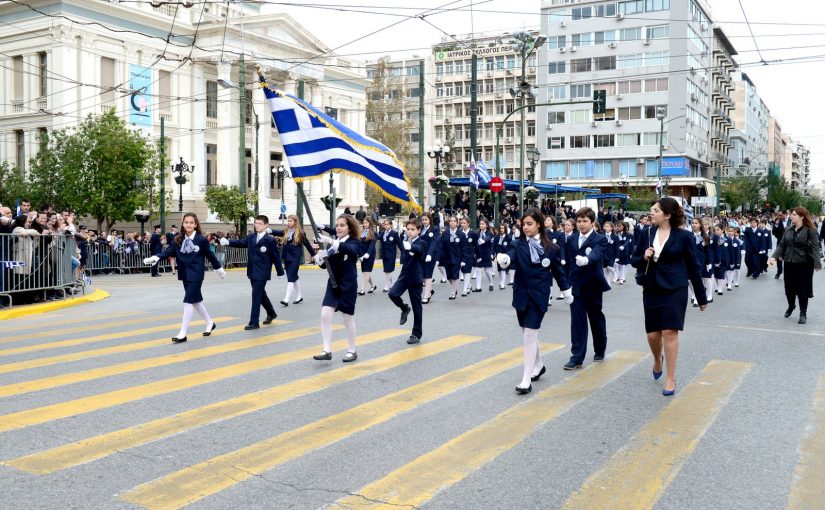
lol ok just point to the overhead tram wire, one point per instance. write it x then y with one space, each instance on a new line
751 31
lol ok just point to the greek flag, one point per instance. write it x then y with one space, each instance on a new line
473 173
315 143
659 186
484 176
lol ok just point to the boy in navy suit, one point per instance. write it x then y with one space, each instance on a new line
584 252
767 245
155 248
411 278
262 251
752 249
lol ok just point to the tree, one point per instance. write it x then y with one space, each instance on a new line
779 193
742 191
231 205
12 186
93 168
641 198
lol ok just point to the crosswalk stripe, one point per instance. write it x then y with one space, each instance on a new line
116 349
40 323
55 381
73 454
637 475
101 338
88 327
809 476
22 419
419 481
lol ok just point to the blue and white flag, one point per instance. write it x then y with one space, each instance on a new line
473 173
659 186
315 143
484 176
19 211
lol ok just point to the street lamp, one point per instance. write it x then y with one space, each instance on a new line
665 183
660 114
181 168
141 216
438 152
533 156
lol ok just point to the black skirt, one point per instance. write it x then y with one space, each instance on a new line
342 300
192 291
799 279
664 309
368 264
531 316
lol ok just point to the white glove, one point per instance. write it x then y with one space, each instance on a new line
366 256
563 262
621 248
617 260
480 241
324 238
224 241
462 264
151 260
743 252
567 295
581 260
503 260
707 267
268 230
221 273
319 257
428 258
407 245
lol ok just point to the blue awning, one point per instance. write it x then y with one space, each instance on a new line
608 196
513 185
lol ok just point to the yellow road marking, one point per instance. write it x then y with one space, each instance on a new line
789 333
88 327
73 454
22 419
637 475
97 338
11 328
55 381
419 481
809 475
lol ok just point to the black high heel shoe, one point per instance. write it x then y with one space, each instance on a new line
453 295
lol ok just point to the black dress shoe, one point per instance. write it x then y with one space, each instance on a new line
270 318
207 333
362 293
413 340
298 301
452 296
350 356
404 313
524 391
284 303
476 290
777 277
538 376
803 318
789 311
251 326
572 365
323 356
598 357
178 340
373 289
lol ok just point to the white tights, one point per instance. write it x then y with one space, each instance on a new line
326 328
489 271
467 282
502 278
708 288
532 356
187 317
443 273
289 288
387 281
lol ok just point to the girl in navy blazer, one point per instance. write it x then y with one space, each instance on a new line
367 257
468 254
342 255
557 238
719 271
432 237
666 257
484 254
536 261
625 249
390 241
501 243
704 257
293 241
450 253
611 253
190 249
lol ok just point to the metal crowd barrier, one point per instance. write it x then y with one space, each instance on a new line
37 265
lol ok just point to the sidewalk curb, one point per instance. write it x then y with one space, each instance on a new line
23 311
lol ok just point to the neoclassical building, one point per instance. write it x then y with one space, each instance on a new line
64 59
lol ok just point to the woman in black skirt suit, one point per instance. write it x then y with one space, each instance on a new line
190 249
367 256
292 241
799 250
665 259
342 255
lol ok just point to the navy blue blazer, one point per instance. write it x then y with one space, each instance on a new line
191 266
451 252
155 246
484 251
389 247
502 243
625 248
291 253
752 243
765 243
589 279
468 247
432 237
677 265
343 264
412 262
532 282
262 255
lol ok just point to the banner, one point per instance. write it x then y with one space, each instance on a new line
140 101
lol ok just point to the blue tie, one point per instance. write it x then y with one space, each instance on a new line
536 250
188 246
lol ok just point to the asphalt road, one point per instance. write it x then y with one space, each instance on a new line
99 410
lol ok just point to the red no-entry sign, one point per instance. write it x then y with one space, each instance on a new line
496 184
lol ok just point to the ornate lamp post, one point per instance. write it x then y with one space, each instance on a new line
181 168
533 156
438 152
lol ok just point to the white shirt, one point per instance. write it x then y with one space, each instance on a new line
657 248
259 237
583 238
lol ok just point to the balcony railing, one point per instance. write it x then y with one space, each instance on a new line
17 105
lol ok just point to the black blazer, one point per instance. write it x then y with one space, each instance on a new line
533 281
587 279
191 266
412 262
677 264
155 246
262 255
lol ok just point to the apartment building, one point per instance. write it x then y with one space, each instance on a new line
776 148
721 123
649 56
751 117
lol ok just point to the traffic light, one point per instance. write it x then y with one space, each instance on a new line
599 100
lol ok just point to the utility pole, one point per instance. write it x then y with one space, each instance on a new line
421 133
523 120
257 187
162 176
473 133
299 210
242 134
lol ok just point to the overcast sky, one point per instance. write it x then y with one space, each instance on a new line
792 91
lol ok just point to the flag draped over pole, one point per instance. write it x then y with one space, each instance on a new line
315 143
473 173
484 176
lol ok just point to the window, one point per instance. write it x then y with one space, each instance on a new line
499 107
555 117
488 131
580 39
559 67
458 108
630 113
489 86
107 80
556 92
627 168
650 111
580 142
439 91
577 169
557 42
657 58
413 138
415 92
20 146
459 89
448 68
604 140
395 71
630 60
605 63
372 73
212 99
604 169
559 16
697 40
555 169
18 77
657 5
439 112
459 67
606 10
164 91
609 114
579 116
651 168
627 140
490 64
511 61
657 32
580 65
43 73
579 91
412 70
459 135
582 13
212 164
650 138
531 129
656 85
500 62
555 142
632 7
605 37
630 87
448 89
608 87
509 129
630 34
439 69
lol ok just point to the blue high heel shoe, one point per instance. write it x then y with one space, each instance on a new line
657 375
669 393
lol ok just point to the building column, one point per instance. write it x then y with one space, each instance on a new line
227 138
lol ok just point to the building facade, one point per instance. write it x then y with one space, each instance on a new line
649 56
776 148
752 117
721 123
58 71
